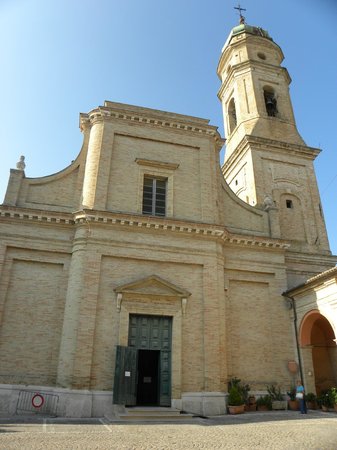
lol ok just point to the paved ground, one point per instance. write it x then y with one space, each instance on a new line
271 430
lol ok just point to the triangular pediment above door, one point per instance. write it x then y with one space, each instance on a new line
153 285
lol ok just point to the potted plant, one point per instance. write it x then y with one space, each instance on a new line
236 404
277 399
251 405
310 399
243 390
333 397
263 403
292 402
325 400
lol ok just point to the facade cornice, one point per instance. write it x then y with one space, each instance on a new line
165 224
136 221
36 215
153 118
148 222
256 241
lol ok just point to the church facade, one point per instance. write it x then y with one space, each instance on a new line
147 274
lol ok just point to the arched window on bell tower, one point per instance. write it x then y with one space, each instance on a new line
270 101
232 115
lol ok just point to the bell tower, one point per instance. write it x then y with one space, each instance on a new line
255 89
267 163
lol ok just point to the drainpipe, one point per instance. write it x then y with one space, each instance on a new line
293 306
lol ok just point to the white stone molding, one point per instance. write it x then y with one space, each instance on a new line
119 301
160 164
183 305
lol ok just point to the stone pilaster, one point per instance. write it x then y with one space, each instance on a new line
74 297
14 185
92 164
87 322
211 331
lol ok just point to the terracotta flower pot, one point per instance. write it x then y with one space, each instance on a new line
262 408
251 407
311 405
293 405
236 409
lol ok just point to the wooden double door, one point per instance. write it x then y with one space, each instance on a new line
143 368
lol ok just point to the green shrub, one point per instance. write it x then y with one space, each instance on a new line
242 388
325 399
235 397
275 393
310 397
333 395
264 400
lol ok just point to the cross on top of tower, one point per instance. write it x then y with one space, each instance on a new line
242 19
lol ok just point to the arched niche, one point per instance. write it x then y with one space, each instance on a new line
232 117
270 101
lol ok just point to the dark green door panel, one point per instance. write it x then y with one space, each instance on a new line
155 333
165 378
125 382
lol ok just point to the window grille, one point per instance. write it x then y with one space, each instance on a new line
154 196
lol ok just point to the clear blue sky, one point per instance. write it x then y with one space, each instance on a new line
63 57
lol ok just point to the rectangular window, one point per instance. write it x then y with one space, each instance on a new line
154 196
289 203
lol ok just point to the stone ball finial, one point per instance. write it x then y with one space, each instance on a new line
20 165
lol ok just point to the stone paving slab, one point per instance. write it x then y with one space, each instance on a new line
271 430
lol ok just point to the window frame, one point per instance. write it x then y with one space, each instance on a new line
156 169
289 203
155 207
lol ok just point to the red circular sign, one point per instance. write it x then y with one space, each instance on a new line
37 401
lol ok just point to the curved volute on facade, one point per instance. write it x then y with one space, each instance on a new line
59 191
255 89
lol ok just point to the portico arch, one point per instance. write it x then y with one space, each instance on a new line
317 334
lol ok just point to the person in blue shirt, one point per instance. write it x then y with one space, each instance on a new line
300 396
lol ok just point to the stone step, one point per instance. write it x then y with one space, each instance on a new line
155 414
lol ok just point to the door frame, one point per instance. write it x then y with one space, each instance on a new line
176 349
155 296
163 345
